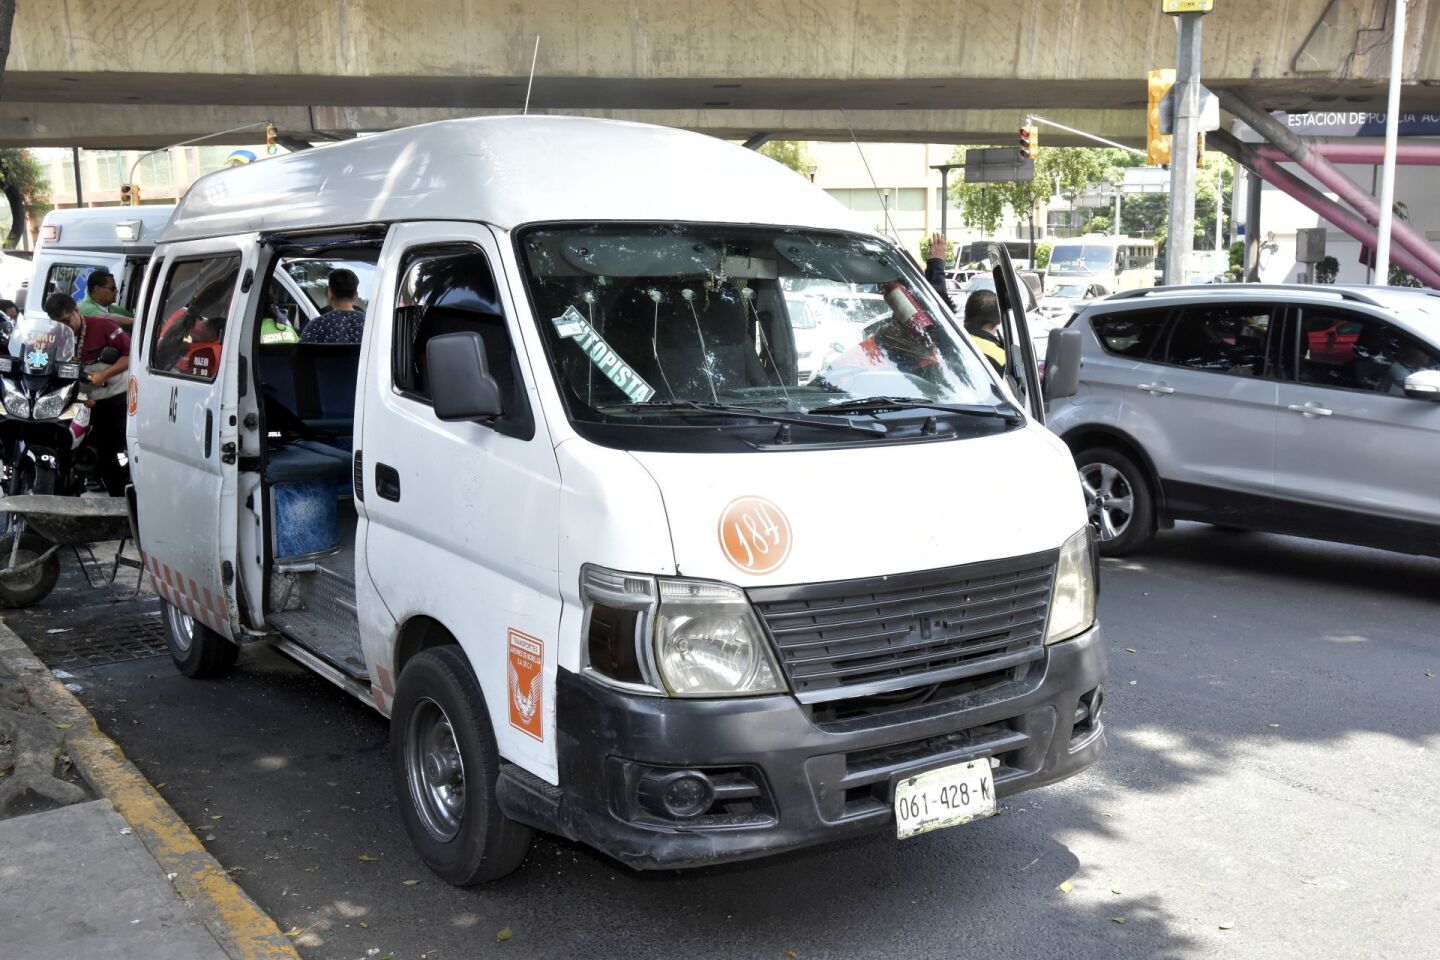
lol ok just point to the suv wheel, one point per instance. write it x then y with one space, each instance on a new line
1118 498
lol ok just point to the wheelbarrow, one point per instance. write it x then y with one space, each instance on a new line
39 526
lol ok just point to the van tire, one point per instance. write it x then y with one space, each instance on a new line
465 840
197 651
1111 473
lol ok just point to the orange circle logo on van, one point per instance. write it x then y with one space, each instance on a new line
754 534
132 397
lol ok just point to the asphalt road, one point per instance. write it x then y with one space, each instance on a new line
1269 791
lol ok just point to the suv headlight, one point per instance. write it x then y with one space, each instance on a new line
52 404
684 638
1072 602
16 403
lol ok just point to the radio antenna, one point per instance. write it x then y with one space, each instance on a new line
875 186
533 57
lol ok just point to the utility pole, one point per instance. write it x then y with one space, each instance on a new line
1392 120
1183 146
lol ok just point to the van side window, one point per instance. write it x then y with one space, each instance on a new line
71 278
188 323
1129 334
451 289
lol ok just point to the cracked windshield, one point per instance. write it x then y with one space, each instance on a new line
669 322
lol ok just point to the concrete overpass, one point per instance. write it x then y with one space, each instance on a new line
137 73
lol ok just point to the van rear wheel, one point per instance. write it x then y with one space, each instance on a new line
197 651
1118 499
445 766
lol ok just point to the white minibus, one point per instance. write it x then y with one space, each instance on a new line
1113 263
560 504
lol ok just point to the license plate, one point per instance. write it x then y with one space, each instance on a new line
946 797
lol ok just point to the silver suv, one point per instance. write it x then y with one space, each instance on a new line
1307 410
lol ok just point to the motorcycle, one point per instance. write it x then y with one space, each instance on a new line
43 444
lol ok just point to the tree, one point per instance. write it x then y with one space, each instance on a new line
23 181
1042 254
925 250
790 153
1068 169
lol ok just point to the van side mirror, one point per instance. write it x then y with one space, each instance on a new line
109 355
458 375
1062 364
1423 385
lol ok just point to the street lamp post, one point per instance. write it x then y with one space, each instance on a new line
811 170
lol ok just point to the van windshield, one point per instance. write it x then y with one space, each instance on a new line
642 320
1082 259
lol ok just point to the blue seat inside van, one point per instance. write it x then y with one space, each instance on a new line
306 478
315 381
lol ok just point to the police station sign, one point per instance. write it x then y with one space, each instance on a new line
1358 123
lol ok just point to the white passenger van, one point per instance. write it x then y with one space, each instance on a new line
568 515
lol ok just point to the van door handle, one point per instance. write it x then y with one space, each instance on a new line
1156 389
1310 409
387 482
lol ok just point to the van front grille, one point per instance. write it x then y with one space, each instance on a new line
859 638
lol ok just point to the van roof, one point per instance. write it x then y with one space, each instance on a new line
93 228
507 171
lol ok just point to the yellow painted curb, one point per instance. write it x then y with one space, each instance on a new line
243 930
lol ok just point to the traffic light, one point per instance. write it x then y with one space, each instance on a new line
1029 142
272 138
1157 144
129 195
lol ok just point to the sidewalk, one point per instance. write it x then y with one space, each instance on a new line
106 872
79 883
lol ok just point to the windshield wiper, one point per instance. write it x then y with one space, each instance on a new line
751 413
874 404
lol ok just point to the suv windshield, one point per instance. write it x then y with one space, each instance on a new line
640 320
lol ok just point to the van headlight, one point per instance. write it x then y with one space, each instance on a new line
1072 601
16 403
683 638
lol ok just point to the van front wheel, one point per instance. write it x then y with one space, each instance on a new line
445 766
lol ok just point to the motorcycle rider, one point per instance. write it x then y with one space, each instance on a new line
107 417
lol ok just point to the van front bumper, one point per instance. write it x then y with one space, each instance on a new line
780 781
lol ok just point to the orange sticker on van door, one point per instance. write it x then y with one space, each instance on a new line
525 676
